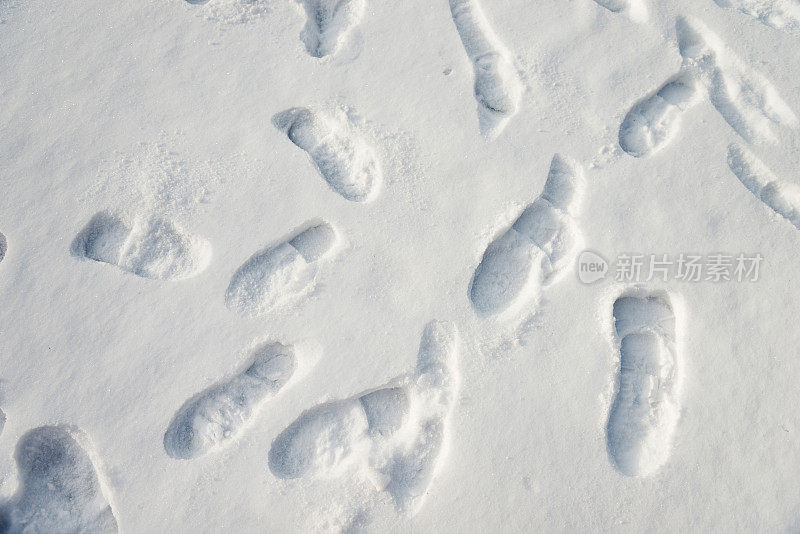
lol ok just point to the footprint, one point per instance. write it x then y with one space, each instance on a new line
498 88
780 14
345 159
232 11
282 273
3 246
781 196
60 490
329 24
655 120
744 98
646 407
636 10
220 413
537 248
394 436
151 248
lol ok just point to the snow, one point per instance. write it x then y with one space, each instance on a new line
162 161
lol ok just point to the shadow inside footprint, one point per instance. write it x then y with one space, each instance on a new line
329 23
392 435
646 406
60 490
781 196
281 273
148 247
536 249
218 414
347 162
653 121
497 85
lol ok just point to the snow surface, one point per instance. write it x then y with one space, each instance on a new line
246 232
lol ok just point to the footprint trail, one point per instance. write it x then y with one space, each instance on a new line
781 196
498 88
646 407
344 158
283 273
394 436
745 98
60 490
220 413
654 121
329 24
780 14
537 248
636 10
151 248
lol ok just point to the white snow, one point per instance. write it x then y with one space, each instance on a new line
310 266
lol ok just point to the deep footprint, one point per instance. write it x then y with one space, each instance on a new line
537 248
646 406
654 121
747 101
60 490
329 24
498 88
393 436
344 159
781 196
220 413
151 248
283 273
780 14
3 246
636 10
